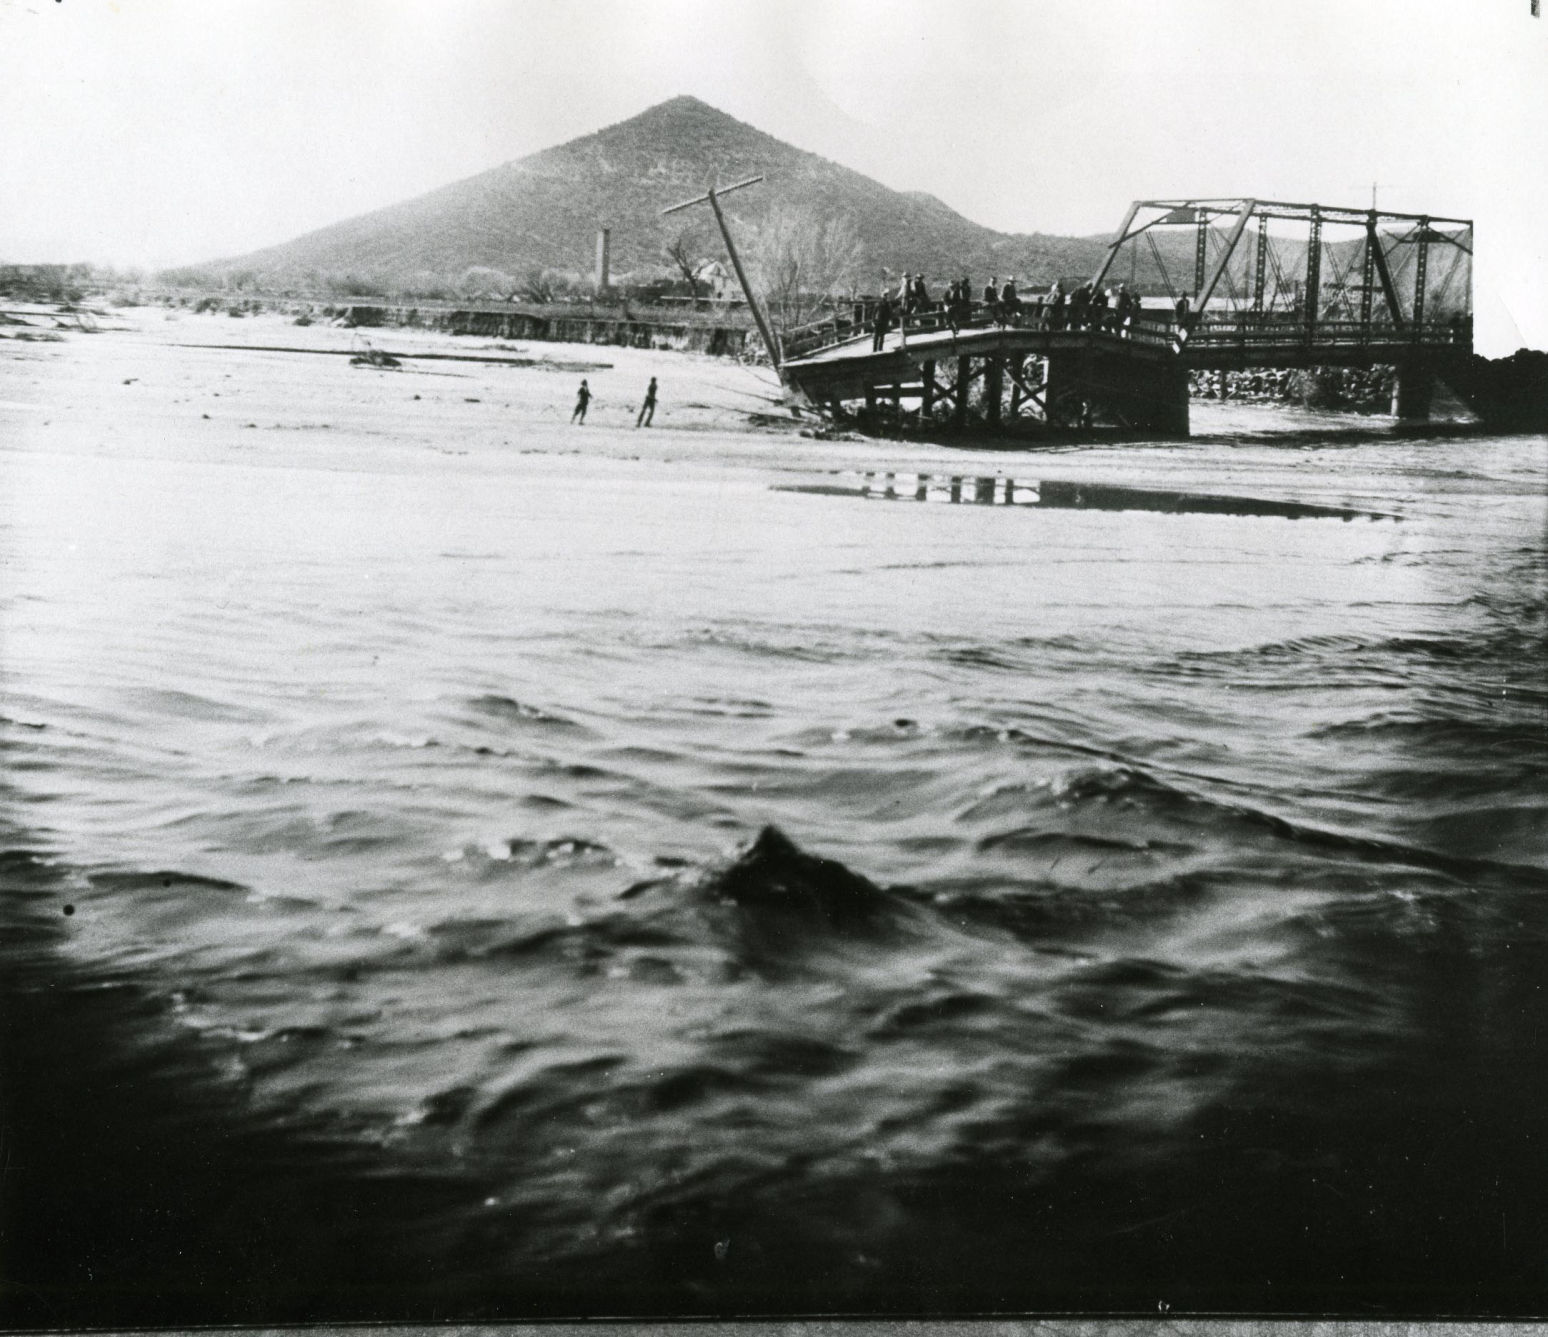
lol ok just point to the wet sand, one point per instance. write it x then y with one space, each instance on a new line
168 384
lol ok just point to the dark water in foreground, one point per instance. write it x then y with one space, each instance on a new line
1154 911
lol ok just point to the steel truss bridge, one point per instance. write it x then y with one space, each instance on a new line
1222 284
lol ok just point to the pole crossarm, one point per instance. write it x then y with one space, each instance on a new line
760 318
705 198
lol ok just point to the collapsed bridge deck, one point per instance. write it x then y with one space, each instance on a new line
1271 285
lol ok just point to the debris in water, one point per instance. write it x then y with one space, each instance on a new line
372 357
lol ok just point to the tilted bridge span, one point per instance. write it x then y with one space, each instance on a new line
1222 284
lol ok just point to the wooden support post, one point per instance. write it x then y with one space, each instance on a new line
994 387
1024 391
959 409
753 304
927 396
1015 404
760 318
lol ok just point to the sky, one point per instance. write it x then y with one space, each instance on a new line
161 132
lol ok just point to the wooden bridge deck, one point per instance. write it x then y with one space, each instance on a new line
846 369
1310 285
850 366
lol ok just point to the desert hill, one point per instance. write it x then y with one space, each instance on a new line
543 211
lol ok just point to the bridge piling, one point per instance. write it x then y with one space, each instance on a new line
1413 393
994 389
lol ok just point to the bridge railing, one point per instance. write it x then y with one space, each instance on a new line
1028 314
1246 329
1152 328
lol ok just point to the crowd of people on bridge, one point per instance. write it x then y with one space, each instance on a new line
1087 306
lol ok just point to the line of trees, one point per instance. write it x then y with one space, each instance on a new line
799 262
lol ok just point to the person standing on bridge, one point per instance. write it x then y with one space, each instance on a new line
1182 321
648 408
1010 303
905 307
582 398
1055 317
1080 306
882 322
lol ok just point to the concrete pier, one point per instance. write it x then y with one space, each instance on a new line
1414 391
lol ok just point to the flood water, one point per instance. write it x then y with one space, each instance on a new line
574 885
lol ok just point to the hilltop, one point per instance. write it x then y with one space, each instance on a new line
544 211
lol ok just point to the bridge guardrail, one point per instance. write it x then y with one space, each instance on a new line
1151 328
1248 330
1029 315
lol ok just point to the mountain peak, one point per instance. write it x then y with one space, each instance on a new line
543 211
684 101
683 116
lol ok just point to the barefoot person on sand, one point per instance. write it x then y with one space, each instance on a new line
582 398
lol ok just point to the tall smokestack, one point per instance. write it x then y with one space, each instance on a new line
604 239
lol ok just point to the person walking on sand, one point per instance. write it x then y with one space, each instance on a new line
648 408
582 398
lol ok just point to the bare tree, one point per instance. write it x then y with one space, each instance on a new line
685 251
800 261
537 285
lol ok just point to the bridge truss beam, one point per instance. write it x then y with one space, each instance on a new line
1269 283
1338 253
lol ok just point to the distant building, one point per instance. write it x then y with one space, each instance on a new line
718 282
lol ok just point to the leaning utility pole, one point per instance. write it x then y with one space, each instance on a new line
753 305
